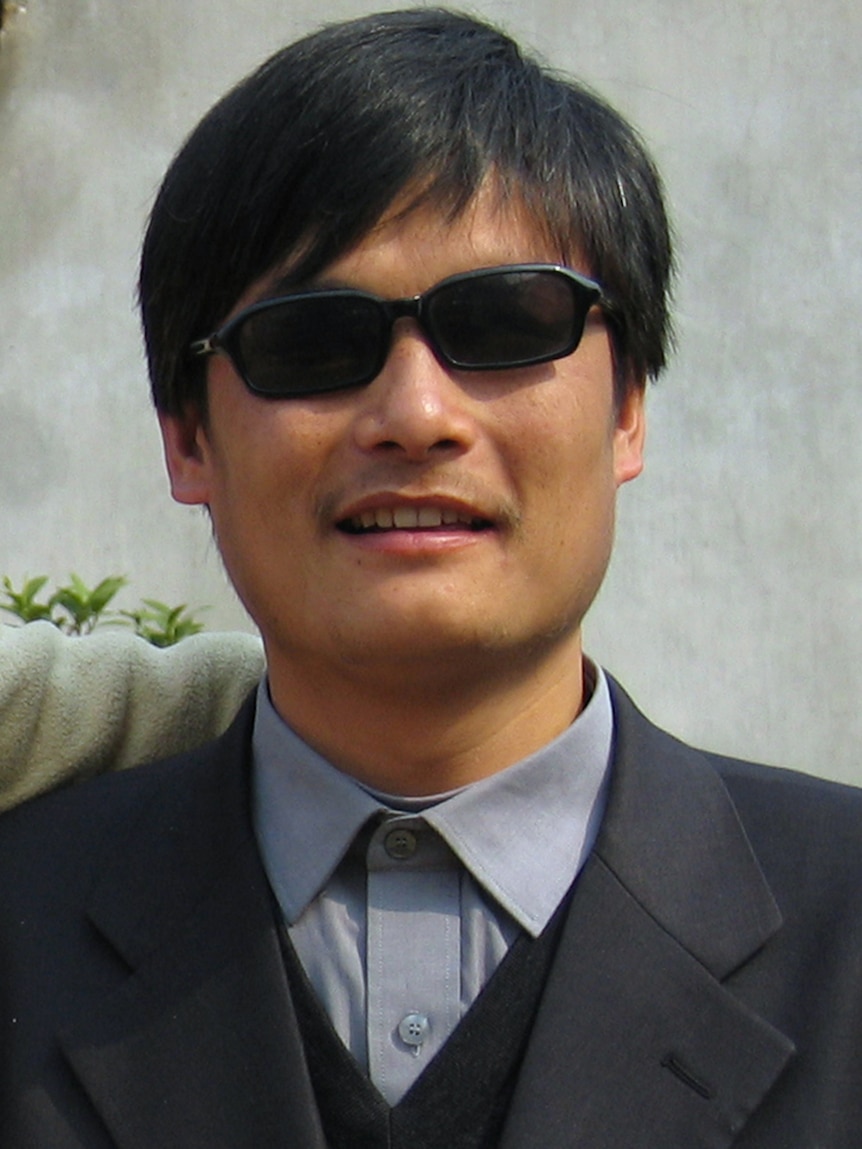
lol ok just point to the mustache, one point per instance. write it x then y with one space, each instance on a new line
486 502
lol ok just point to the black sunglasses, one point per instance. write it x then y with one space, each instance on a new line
486 320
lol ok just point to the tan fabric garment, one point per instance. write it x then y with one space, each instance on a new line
72 707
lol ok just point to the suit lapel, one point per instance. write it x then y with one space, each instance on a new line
199 1046
637 1041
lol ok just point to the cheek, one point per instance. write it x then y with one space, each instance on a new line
564 444
567 489
269 452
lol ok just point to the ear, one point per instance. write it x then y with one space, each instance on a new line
188 456
629 434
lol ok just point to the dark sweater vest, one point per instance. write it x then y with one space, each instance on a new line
461 1100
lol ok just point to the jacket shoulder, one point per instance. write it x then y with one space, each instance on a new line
72 830
806 831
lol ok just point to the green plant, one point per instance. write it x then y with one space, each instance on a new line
81 608
73 608
78 609
162 625
22 603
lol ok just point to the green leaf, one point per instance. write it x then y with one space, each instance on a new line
23 603
101 595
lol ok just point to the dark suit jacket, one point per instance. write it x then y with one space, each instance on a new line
707 989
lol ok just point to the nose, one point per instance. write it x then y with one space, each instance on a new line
415 407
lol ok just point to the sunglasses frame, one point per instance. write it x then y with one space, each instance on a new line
224 341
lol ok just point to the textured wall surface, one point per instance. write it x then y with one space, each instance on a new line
733 611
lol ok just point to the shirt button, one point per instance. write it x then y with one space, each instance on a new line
413 1030
400 844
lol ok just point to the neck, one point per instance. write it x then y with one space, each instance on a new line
431 731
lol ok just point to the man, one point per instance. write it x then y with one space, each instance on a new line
441 884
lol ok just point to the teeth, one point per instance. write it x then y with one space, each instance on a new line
370 519
409 518
405 518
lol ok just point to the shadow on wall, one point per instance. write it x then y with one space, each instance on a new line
11 20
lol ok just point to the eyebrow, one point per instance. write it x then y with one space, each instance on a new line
287 285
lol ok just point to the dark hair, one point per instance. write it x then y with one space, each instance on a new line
305 155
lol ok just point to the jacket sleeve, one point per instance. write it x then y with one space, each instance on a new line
73 707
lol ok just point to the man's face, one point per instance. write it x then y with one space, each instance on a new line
434 521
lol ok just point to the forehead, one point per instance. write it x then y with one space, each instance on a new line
417 242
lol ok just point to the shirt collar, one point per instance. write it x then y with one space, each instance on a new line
522 833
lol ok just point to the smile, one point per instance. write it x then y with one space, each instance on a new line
411 519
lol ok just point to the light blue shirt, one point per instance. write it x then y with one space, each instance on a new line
401 909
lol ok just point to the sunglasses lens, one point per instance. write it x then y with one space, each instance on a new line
310 344
508 318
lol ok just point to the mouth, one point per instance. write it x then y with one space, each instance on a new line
427 517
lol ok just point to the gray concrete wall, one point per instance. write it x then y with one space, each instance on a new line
733 607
